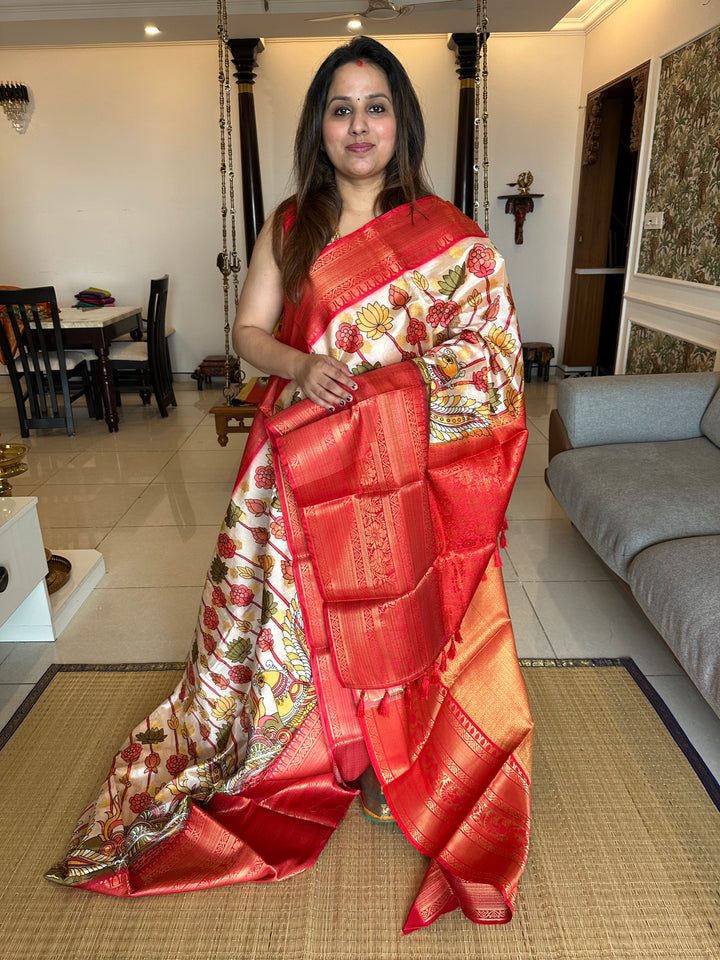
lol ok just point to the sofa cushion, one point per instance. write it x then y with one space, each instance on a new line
710 423
677 584
625 497
635 409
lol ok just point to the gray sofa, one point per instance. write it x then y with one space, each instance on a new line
635 464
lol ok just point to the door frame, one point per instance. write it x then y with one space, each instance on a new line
598 167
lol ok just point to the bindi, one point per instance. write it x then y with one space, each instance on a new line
359 63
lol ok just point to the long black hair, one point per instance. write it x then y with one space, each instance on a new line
317 204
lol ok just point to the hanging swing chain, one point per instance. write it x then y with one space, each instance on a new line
481 115
227 262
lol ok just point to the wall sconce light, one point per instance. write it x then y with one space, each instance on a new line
520 204
15 102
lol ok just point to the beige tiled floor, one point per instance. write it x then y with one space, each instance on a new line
152 496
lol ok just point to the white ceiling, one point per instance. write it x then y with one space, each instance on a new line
41 22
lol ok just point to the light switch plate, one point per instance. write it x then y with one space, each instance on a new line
654 221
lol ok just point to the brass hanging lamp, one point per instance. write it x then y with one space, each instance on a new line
228 261
481 114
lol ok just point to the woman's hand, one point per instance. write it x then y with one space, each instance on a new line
325 380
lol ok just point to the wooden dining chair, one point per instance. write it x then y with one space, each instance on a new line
46 379
143 366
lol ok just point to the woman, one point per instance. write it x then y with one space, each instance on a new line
349 634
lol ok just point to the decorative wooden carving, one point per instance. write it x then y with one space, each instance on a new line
593 122
243 54
519 205
639 82
464 45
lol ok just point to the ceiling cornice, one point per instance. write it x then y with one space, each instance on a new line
587 15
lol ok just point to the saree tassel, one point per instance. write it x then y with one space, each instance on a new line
503 528
361 706
483 577
451 650
425 688
435 673
498 558
443 661
408 693
384 708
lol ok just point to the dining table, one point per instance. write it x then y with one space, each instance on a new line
96 328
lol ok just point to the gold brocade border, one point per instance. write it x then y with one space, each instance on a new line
375 255
507 427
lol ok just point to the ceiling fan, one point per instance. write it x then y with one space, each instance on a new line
375 10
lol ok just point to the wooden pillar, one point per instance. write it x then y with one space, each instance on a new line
243 54
464 45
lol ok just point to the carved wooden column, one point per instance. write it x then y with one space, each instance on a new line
464 46
243 54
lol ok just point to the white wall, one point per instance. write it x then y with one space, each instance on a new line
116 178
534 118
116 181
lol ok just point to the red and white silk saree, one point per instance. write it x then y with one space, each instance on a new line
353 612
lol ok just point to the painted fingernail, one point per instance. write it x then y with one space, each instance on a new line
349 399
342 403
354 386
331 409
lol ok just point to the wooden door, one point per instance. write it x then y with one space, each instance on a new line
612 136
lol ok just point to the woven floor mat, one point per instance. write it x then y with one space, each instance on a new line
624 863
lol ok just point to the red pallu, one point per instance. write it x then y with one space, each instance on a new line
346 618
461 798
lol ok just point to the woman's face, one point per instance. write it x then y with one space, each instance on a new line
359 125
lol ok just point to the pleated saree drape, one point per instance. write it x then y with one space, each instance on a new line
353 612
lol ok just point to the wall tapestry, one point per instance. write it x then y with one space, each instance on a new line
684 176
650 351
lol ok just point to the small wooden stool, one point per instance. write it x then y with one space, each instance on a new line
244 413
243 409
213 366
540 354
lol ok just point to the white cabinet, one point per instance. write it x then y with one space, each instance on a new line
25 612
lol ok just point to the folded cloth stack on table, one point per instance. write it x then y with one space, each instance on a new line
93 297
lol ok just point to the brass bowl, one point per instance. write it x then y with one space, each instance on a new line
59 570
11 454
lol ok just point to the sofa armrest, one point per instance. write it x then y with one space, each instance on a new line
633 409
558 439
